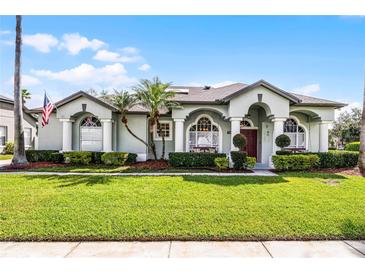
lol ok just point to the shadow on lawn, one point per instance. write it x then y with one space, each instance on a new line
235 181
353 230
70 181
311 175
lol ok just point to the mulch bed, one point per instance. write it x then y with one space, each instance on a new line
151 164
353 171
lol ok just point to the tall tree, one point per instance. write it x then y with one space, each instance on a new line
154 96
19 148
362 138
25 95
124 101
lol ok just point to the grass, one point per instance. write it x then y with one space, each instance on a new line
290 206
6 156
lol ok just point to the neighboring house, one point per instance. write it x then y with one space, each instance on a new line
7 124
208 120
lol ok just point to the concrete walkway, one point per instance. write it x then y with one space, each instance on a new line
179 249
4 163
255 173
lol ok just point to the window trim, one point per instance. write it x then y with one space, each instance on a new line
156 137
6 134
30 137
306 137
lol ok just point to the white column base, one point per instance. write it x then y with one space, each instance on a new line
179 135
66 134
107 135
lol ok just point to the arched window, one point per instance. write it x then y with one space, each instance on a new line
295 132
203 135
245 123
91 134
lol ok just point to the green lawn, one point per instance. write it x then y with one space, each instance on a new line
290 206
6 156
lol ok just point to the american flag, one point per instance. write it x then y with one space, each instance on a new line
47 110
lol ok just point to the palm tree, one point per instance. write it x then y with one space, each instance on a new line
362 138
25 95
124 101
19 149
154 96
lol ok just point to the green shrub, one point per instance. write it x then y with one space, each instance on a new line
338 159
96 157
57 157
78 157
39 155
221 163
9 148
284 152
239 159
295 162
193 159
132 158
354 146
114 158
282 141
239 140
250 162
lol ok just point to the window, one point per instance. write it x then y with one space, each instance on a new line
295 132
203 134
3 135
245 123
27 137
166 129
91 134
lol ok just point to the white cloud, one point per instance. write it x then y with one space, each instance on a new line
129 50
26 81
144 67
74 43
222 84
3 32
110 56
40 41
114 75
308 89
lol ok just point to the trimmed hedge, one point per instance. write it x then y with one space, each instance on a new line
338 159
9 148
250 162
57 157
193 159
96 157
284 152
114 158
40 155
78 157
131 158
239 159
295 162
354 146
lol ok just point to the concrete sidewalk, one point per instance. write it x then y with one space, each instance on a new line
189 249
255 173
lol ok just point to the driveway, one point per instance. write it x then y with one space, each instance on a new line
188 249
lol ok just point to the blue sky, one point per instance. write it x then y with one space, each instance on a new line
315 55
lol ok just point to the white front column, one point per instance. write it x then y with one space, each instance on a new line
107 134
179 135
66 134
278 129
235 129
323 136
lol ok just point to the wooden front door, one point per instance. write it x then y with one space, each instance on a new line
251 147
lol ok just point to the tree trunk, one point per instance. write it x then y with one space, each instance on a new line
162 134
362 138
19 149
152 141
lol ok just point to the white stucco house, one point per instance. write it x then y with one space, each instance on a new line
207 121
7 124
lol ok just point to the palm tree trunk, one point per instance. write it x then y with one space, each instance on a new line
19 149
152 141
362 138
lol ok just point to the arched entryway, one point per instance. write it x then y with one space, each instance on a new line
91 134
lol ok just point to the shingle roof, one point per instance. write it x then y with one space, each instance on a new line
210 95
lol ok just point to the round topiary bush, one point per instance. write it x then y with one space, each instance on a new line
282 141
239 140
